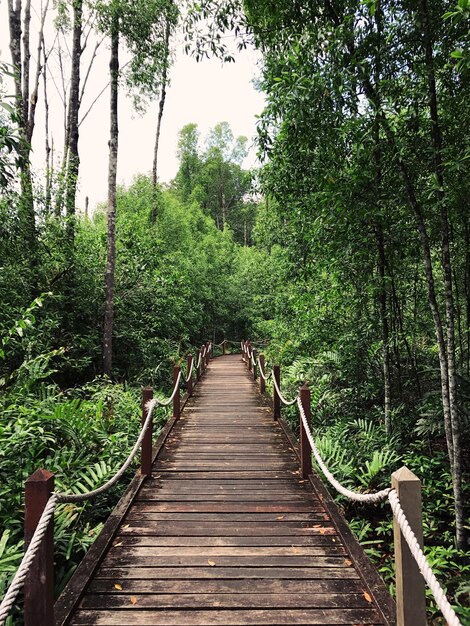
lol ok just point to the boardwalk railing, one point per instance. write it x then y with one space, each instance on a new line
412 569
35 573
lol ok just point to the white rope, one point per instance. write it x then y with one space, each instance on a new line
424 567
283 400
190 373
170 399
28 557
263 374
352 495
82 497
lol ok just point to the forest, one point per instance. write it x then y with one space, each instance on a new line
345 254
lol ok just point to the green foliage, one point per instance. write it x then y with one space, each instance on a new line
215 178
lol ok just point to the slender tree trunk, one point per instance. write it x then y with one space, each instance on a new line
26 60
379 230
47 146
73 160
467 291
436 137
112 177
161 106
21 79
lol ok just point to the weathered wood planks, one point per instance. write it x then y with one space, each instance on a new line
225 531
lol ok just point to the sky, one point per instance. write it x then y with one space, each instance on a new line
204 93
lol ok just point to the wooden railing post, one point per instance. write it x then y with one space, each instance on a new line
198 369
146 447
248 356
410 590
189 382
39 582
224 347
176 399
262 382
305 448
208 353
276 398
254 365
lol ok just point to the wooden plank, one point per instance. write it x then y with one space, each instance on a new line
125 558
175 529
139 512
233 586
266 540
228 617
222 551
138 601
118 574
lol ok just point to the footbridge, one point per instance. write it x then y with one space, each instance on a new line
225 523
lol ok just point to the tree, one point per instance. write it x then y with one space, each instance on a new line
142 25
26 100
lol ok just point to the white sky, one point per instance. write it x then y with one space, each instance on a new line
204 93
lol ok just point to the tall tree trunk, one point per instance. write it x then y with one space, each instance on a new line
379 229
48 148
112 176
21 79
436 138
73 160
161 106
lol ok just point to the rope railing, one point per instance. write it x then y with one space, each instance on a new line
265 376
281 397
56 498
27 560
190 373
409 600
422 562
378 496
399 514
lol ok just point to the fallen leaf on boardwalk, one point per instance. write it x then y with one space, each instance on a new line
133 600
295 549
126 526
118 586
116 545
280 517
367 597
211 563
347 562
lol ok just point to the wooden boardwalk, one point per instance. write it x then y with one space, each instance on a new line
226 532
